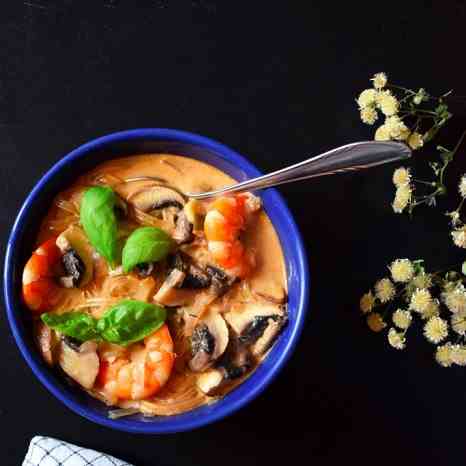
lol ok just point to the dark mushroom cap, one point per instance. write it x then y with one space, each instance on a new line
195 276
202 340
73 265
208 342
157 197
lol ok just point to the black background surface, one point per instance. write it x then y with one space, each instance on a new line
276 82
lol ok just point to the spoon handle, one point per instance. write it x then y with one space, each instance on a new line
351 157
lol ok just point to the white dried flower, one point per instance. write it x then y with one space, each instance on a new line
459 236
375 322
422 280
367 98
398 130
368 115
458 354
384 290
402 270
436 329
415 141
382 133
396 339
432 310
379 80
401 176
420 300
455 218
367 302
387 103
458 323
462 186
443 355
455 299
402 319
402 199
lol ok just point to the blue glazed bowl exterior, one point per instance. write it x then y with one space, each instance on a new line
127 143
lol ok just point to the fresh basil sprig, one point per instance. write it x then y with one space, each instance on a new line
145 244
127 322
74 324
130 321
97 215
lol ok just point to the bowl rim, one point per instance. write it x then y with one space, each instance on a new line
227 154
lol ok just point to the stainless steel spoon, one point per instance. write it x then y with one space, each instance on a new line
351 157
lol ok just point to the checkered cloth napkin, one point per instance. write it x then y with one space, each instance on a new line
46 451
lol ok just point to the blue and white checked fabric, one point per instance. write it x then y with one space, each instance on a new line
47 451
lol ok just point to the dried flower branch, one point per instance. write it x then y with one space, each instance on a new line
411 116
436 301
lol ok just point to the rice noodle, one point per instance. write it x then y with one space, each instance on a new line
151 221
122 412
178 396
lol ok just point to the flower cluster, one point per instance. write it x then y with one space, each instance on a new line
401 106
405 198
458 233
410 294
414 117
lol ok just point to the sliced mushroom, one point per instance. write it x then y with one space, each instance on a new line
235 363
46 341
183 229
80 363
169 293
74 267
157 197
220 281
77 256
195 276
208 342
211 381
257 324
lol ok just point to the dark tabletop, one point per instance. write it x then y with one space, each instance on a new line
277 83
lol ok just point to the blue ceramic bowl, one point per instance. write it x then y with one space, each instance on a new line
126 143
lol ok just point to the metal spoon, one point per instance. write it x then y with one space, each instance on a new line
351 157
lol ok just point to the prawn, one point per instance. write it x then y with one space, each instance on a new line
225 219
39 287
141 371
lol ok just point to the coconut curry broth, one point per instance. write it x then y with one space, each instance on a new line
251 311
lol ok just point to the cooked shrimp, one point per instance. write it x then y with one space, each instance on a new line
225 219
39 288
142 371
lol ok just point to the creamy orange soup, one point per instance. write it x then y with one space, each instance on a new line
222 287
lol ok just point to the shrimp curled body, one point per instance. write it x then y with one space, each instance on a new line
141 371
225 219
39 287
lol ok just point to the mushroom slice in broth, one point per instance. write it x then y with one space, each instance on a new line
208 342
77 257
257 324
81 363
233 365
157 197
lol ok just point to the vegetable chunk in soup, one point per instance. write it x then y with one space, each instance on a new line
152 302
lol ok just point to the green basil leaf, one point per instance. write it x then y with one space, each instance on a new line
145 244
77 324
99 221
130 321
